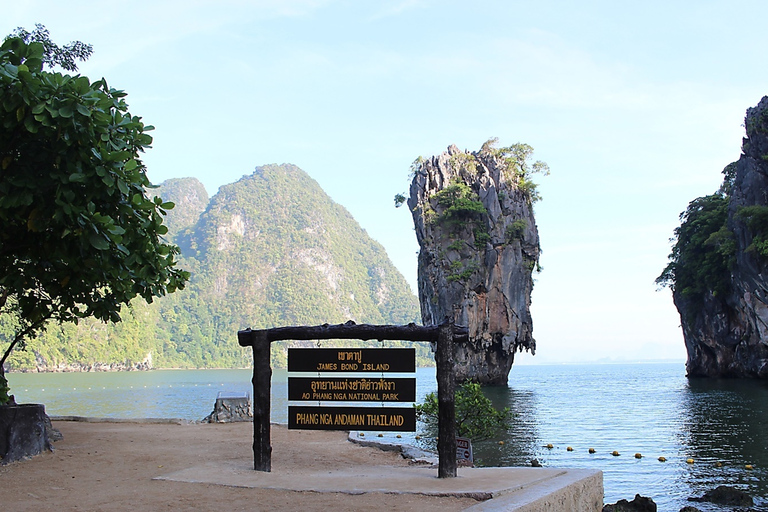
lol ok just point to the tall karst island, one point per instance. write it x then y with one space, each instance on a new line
473 216
717 269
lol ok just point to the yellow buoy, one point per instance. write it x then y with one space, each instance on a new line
570 449
501 443
662 459
550 446
749 466
417 438
718 464
361 434
689 461
615 453
638 456
591 450
399 436
381 435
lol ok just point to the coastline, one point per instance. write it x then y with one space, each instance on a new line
106 368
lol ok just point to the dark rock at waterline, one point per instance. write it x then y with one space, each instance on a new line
725 332
230 408
638 504
724 495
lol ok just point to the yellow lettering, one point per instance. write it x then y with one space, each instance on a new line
306 419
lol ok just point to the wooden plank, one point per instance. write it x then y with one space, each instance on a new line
262 394
353 331
446 417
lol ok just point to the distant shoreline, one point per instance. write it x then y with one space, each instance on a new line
100 369
120 367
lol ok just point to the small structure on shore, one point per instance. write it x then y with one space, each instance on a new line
230 406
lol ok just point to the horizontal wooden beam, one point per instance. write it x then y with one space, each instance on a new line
350 331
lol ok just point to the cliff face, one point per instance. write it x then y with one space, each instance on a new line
726 334
479 246
190 198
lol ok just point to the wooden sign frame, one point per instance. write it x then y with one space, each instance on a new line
444 335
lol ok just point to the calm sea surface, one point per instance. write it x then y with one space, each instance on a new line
651 409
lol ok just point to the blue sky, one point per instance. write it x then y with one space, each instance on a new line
636 107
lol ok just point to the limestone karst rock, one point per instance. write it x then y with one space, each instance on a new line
479 243
726 331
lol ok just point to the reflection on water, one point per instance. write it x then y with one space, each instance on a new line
724 429
651 409
520 443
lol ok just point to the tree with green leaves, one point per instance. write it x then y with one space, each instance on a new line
476 417
53 54
704 250
79 235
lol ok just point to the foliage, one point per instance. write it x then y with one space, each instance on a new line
465 162
456 245
415 166
756 218
460 204
482 236
460 272
53 54
4 389
261 256
704 250
80 238
516 229
476 418
518 167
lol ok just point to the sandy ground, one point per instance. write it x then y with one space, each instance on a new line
111 466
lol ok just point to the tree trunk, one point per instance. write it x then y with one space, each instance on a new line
22 432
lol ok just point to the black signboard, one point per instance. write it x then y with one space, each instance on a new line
387 360
352 389
390 419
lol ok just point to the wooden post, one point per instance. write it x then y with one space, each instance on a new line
446 388
262 393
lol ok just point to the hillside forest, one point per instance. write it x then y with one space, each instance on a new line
270 250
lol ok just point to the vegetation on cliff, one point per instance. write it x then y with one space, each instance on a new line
473 216
271 249
717 266
704 250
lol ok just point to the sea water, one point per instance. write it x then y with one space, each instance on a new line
649 409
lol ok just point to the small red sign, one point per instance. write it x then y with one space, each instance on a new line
464 450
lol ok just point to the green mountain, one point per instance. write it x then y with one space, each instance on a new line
270 250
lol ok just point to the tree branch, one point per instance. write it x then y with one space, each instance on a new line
31 328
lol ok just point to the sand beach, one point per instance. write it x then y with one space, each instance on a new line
105 466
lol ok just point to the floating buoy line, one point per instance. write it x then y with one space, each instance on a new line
638 455
158 386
